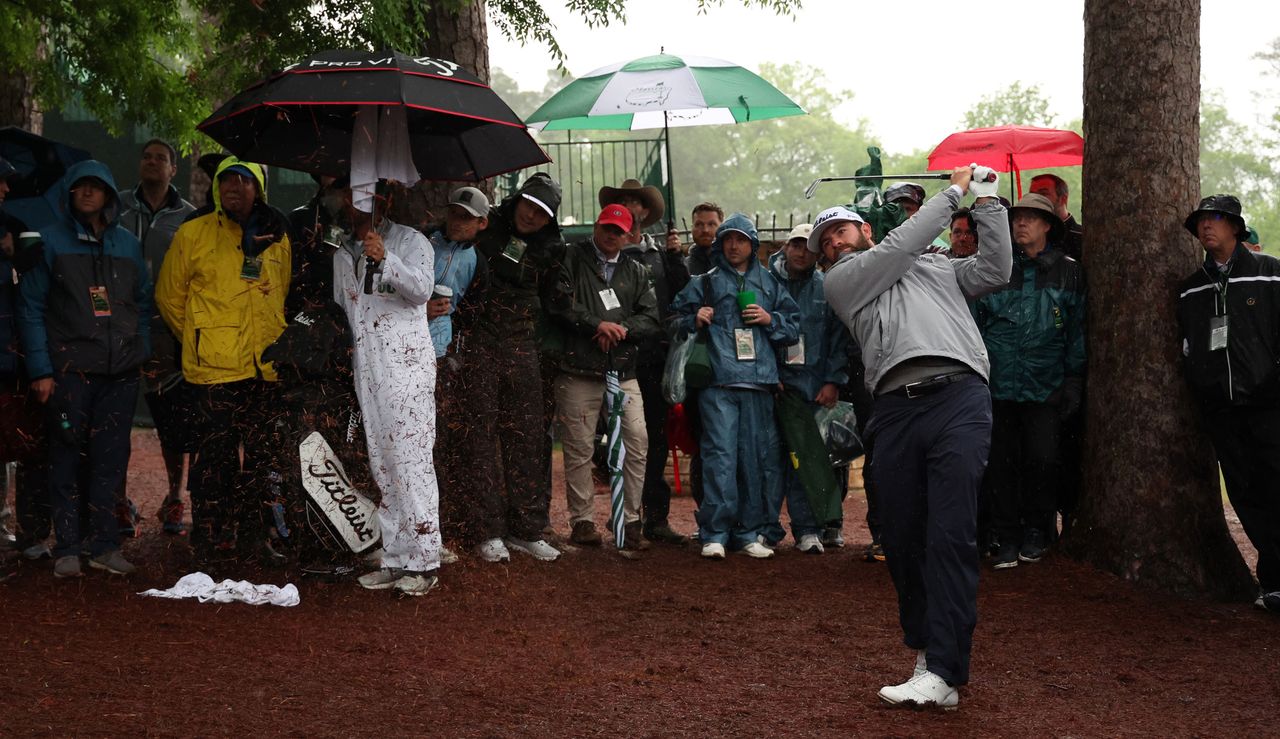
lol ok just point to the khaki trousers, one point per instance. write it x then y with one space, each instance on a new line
578 401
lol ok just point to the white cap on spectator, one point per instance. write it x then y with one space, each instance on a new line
471 200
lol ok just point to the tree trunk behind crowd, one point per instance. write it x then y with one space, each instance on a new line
1151 510
17 102
460 35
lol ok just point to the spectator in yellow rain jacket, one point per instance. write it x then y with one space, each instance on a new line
221 289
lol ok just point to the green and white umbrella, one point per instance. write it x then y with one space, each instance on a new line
660 91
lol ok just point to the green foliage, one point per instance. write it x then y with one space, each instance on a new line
165 64
765 166
1015 105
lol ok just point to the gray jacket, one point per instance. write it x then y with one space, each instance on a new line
154 230
901 303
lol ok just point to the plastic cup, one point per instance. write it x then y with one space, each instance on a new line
745 298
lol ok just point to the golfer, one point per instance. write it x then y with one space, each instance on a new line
926 367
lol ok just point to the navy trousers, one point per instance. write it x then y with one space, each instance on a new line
91 417
1247 442
930 454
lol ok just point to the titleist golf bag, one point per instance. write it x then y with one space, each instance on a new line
325 507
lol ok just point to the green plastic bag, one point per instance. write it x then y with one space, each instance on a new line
806 454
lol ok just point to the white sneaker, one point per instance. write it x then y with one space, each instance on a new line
763 542
922 664
712 550
757 550
810 544
926 691
382 579
493 550
448 556
538 549
41 551
416 584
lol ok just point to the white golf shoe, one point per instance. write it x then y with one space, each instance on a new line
925 691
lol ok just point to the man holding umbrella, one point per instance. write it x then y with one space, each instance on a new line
606 310
383 278
931 423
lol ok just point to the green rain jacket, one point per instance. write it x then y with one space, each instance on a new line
1034 328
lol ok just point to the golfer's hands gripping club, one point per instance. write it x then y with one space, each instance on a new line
960 177
985 181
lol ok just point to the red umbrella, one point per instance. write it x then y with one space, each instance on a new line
1010 149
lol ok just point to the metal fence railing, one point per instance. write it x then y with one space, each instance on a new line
583 167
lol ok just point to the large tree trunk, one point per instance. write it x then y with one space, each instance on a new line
462 36
1152 510
18 103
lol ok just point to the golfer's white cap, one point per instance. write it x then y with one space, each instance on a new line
826 219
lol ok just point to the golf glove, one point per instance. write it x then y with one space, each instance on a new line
985 181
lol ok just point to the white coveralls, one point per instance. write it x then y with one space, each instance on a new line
395 376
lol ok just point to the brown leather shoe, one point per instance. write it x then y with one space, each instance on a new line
633 537
584 533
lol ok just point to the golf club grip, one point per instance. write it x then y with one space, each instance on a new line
369 266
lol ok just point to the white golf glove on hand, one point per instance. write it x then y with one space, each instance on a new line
985 181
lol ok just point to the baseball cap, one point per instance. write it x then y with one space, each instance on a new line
800 232
471 200
909 190
828 218
615 215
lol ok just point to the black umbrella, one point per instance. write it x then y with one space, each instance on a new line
40 163
303 117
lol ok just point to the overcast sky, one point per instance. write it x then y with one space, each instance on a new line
924 41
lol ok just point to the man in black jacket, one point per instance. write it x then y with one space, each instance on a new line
605 309
1229 320
522 250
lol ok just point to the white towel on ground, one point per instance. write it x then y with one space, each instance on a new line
202 587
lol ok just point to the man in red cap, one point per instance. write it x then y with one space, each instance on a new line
604 309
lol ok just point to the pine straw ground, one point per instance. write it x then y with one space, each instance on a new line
597 645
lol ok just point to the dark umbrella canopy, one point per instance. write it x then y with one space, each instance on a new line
39 161
303 117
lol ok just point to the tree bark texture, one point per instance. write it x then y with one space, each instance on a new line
18 103
460 35
1151 510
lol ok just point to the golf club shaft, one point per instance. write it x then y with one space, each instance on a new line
808 193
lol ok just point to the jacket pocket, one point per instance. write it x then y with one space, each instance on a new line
217 347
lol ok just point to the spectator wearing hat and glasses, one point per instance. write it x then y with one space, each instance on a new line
1229 320
1034 332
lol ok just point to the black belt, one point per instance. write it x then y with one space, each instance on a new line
929 386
